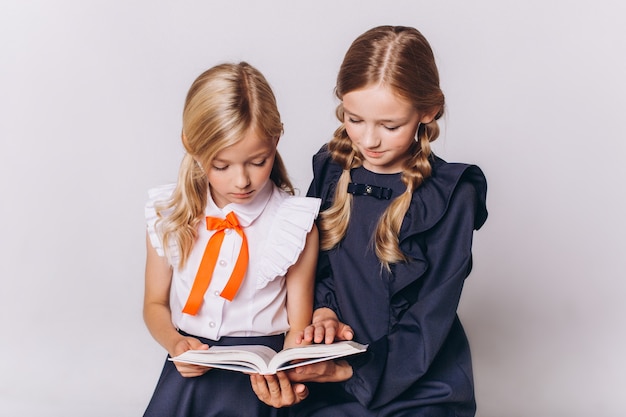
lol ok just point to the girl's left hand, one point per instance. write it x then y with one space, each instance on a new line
188 370
325 328
277 390
326 371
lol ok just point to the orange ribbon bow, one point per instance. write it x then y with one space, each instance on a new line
209 259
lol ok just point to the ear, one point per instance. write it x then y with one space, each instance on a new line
429 117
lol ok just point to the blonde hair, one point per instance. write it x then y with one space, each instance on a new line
402 59
222 104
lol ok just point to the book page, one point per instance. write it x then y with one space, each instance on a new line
309 354
244 357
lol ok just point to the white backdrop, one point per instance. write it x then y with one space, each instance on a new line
91 96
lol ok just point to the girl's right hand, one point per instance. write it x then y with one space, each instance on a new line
326 328
188 370
277 390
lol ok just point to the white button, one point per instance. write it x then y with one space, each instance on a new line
223 263
228 231
216 293
211 324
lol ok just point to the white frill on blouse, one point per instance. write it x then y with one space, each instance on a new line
286 240
159 195
293 220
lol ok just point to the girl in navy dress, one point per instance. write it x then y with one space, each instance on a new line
396 228
231 252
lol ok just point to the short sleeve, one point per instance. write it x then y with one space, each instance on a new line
158 195
294 220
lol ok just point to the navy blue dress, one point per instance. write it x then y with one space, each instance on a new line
217 393
418 362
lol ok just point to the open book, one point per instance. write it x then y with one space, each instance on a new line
264 360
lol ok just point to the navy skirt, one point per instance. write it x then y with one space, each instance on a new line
330 399
216 393
326 400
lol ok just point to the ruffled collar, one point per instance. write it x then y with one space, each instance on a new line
246 213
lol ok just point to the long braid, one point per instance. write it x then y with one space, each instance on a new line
334 221
418 168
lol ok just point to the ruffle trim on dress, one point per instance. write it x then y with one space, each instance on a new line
430 201
287 238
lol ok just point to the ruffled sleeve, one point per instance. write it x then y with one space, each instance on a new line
159 195
294 219
431 204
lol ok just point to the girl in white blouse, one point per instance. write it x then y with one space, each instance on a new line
231 252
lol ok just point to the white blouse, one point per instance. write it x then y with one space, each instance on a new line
276 225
